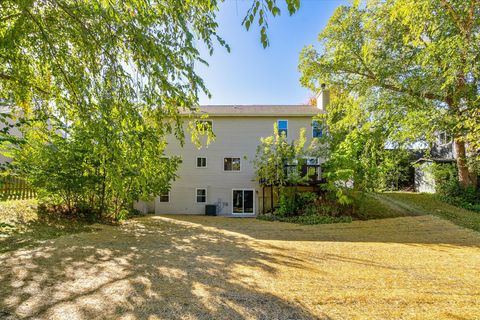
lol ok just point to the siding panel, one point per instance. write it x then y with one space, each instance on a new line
235 137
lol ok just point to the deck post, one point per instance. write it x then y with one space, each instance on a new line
271 198
263 199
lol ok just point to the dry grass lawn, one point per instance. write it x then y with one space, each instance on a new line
22 225
223 268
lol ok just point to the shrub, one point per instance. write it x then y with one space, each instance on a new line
473 207
309 208
287 204
306 219
449 189
295 203
122 215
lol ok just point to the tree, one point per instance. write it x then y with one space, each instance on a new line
56 50
102 162
99 85
55 53
278 162
414 64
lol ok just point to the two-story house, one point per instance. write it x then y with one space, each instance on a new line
222 173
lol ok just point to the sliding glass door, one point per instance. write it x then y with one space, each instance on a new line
243 201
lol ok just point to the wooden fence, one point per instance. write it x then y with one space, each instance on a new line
13 188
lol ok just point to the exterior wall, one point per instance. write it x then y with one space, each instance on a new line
424 180
235 137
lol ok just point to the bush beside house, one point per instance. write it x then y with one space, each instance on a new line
449 189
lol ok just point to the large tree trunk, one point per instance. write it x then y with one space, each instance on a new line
465 177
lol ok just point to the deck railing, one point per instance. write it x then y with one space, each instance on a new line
311 171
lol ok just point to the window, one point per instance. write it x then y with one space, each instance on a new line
201 195
231 164
445 138
316 129
203 125
201 162
165 197
310 161
283 127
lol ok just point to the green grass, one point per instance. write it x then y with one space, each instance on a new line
22 225
402 204
371 206
422 203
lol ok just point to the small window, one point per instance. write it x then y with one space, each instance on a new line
231 164
203 125
165 197
201 195
201 162
445 138
310 161
283 127
316 129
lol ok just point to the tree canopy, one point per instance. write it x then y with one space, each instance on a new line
415 65
96 86
54 54
279 162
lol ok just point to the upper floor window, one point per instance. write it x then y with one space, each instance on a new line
282 127
231 164
165 197
311 161
201 162
317 131
445 138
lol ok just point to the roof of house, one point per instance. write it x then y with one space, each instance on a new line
256 110
435 160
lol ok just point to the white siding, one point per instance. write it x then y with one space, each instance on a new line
235 137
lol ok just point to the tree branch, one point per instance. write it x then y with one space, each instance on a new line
52 52
23 83
13 15
395 88
455 17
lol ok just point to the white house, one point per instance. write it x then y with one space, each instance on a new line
222 173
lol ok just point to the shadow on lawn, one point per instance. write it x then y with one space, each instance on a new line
410 230
148 269
23 224
33 233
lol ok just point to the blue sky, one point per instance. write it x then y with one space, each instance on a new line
250 74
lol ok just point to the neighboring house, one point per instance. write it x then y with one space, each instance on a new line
222 173
442 151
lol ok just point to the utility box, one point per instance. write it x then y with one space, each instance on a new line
210 210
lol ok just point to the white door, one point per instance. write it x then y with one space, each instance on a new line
243 201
